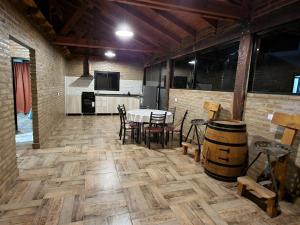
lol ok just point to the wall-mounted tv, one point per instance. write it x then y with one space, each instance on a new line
107 81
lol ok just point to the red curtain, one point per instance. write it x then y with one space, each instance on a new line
23 87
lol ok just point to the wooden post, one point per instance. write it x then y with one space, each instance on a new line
242 74
168 81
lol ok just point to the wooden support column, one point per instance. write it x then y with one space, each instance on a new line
242 74
168 80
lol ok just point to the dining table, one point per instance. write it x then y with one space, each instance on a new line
142 116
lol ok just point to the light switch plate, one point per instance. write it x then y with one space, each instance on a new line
270 116
175 99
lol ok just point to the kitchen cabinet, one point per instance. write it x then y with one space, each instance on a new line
104 104
73 104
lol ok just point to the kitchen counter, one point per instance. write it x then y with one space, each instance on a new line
118 95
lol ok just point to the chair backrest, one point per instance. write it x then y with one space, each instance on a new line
157 119
123 108
213 109
173 111
291 124
183 119
122 115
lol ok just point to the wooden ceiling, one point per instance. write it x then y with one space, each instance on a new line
87 27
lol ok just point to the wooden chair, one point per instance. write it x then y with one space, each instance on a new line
176 128
126 126
156 126
291 124
213 110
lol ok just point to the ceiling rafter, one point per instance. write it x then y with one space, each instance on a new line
76 16
106 7
208 9
179 23
151 22
109 26
87 43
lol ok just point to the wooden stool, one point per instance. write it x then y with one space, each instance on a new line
186 146
213 109
265 195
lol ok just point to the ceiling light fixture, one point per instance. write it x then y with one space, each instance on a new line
110 54
192 62
124 32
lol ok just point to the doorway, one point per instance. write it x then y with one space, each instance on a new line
22 83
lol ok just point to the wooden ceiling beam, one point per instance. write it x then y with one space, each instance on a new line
87 43
109 26
76 17
113 11
179 23
151 22
209 9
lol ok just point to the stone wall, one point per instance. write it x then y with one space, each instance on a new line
257 110
47 73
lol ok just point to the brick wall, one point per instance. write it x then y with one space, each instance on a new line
257 108
128 70
193 101
47 72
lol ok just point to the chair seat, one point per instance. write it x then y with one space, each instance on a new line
131 126
154 129
173 128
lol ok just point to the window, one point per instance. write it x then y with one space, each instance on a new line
183 76
296 87
109 81
216 69
276 61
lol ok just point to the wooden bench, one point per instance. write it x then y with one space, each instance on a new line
269 197
186 146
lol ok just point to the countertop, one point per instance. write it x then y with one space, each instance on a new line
118 95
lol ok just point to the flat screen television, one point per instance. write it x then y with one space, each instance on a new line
107 81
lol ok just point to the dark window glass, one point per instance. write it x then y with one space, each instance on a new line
276 61
109 81
216 68
183 74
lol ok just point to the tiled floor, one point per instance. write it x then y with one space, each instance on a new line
85 176
24 133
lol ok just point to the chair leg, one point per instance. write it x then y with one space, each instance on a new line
180 139
120 132
124 135
167 137
132 135
163 139
149 139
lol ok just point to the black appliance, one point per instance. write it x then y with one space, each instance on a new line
88 102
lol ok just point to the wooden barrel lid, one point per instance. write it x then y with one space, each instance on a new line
234 124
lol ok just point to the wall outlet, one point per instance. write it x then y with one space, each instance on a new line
175 99
57 93
270 116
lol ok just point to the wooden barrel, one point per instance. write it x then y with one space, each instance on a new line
225 149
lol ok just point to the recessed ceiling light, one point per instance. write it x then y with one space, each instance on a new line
192 62
124 32
110 54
